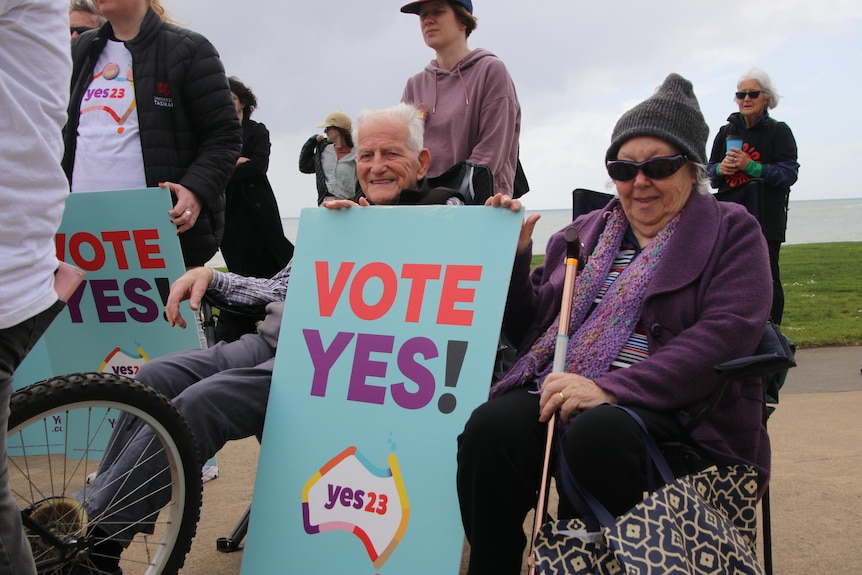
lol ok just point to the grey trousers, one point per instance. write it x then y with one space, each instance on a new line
222 392
16 558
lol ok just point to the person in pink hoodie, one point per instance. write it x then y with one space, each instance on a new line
467 97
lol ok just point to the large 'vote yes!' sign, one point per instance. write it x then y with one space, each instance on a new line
390 331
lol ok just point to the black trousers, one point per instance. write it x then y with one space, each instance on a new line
777 311
500 458
15 343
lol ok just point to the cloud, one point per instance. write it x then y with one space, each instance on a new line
577 67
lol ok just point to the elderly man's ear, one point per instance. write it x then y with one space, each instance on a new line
424 162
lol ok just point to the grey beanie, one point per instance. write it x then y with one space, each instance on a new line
671 114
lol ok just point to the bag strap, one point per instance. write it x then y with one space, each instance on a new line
583 499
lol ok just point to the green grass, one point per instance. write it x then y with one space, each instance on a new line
822 292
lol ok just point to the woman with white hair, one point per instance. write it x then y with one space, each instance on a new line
768 152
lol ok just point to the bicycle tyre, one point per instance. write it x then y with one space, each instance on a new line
42 470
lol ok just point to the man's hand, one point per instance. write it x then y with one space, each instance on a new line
339 204
190 286
504 201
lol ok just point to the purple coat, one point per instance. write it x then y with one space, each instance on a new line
707 303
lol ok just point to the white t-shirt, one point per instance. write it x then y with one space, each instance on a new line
35 69
108 152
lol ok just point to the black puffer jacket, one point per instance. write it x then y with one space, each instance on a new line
189 129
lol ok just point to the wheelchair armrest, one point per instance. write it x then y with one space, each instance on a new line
761 366
250 310
753 366
257 311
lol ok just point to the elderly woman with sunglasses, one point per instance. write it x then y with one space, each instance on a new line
672 283
767 151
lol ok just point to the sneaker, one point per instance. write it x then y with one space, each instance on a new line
208 473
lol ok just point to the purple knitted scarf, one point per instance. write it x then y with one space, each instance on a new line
595 341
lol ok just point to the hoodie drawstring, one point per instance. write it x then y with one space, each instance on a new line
463 87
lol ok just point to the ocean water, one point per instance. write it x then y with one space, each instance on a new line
809 222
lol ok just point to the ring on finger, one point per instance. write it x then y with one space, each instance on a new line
188 213
562 396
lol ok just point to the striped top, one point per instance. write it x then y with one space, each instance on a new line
635 348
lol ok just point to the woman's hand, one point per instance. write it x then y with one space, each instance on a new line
570 393
504 201
185 212
734 161
527 228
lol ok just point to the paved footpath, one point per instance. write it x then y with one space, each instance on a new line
816 488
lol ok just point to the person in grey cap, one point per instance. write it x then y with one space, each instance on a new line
674 282
331 158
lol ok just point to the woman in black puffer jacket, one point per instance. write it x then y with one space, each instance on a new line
150 106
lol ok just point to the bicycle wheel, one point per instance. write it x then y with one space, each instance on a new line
59 430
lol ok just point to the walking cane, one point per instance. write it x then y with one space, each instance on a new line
573 250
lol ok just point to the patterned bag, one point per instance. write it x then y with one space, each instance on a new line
704 523
569 547
700 523
681 529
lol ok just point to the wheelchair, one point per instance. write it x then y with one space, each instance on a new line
770 362
58 431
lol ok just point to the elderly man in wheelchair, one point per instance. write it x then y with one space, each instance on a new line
222 391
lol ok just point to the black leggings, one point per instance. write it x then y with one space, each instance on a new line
500 457
777 311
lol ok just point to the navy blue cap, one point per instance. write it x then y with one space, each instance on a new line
414 7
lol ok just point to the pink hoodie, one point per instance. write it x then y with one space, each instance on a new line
472 113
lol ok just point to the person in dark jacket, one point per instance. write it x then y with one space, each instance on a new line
673 284
331 159
768 152
253 243
150 106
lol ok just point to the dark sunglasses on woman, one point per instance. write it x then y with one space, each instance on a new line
79 29
753 94
654 168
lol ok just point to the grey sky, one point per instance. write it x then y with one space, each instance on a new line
576 66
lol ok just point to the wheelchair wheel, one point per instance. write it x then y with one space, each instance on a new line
59 430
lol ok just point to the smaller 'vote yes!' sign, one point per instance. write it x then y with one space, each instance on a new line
387 344
114 321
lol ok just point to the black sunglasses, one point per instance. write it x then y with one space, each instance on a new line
655 168
753 94
79 29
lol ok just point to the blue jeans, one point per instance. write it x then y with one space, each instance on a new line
15 343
